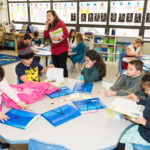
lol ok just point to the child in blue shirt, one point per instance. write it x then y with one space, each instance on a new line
140 134
28 69
95 68
37 41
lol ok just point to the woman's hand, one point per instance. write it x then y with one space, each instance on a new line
3 117
141 120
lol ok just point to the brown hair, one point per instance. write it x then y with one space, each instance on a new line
56 19
137 63
1 73
36 34
146 80
100 65
138 40
79 38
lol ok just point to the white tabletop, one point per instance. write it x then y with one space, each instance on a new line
86 132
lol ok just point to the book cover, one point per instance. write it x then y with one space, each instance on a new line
88 105
20 118
61 92
61 115
57 33
83 87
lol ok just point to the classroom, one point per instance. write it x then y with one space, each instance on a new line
74 74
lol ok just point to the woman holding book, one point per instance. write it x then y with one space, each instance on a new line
56 30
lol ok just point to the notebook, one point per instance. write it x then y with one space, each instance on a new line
55 74
83 87
61 115
89 105
20 118
61 92
127 107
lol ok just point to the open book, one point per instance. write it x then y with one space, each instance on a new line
57 33
55 74
20 118
127 107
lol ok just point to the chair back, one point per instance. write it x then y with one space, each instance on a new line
38 145
121 55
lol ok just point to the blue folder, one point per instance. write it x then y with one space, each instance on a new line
83 87
89 104
20 118
61 92
61 114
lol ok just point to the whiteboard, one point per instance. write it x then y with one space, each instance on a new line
126 12
18 12
38 12
66 11
93 13
147 17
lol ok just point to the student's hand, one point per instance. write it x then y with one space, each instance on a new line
51 66
3 117
133 97
141 120
110 93
22 104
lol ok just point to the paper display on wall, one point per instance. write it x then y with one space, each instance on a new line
126 12
93 12
66 11
147 19
18 12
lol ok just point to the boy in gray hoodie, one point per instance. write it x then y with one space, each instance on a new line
130 82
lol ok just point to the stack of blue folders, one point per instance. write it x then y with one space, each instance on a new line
83 87
89 104
19 118
61 114
61 92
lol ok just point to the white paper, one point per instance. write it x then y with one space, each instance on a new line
55 74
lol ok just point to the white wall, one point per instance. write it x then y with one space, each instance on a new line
4 12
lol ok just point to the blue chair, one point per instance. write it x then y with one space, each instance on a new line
141 147
38 145
18 81
122 54
82 62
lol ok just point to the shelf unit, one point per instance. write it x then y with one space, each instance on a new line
111 46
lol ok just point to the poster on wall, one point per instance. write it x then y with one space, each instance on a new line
147 19
66 11
126 12
93 13
38 12
18 12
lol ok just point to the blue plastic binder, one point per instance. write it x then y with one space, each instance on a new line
89 104
19 118
61 114
83 87
61 92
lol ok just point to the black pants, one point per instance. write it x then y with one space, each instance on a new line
60 61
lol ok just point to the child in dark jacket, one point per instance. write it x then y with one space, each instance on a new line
140 134
95 68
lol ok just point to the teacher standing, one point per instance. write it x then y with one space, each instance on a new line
59 45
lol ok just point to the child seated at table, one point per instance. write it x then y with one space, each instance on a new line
133 50
72 36
129 82
36 40
79 49
5 89
140 134
95 68
28 69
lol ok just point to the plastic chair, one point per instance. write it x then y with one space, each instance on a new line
141 147
122 54
82 62
18 81
38 145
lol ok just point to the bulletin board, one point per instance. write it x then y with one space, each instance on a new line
67 11
93 13
147 17
18 12
126 13
38 12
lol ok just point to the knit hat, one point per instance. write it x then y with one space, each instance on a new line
24 51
